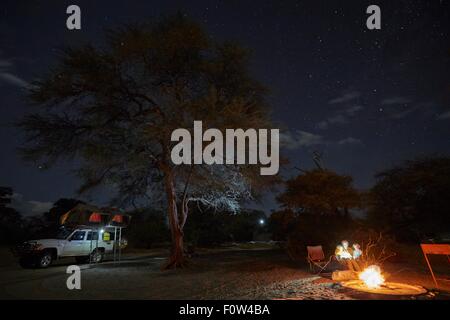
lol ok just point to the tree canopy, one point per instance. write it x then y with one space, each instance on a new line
321 192
114 107
413 196
314 210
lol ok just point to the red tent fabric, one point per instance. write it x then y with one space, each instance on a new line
83 214
118 218
95 217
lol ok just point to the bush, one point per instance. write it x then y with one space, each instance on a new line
147 228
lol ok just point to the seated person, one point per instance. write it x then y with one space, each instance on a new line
338 252
343 252
356 251
345 255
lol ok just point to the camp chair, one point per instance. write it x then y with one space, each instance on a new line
316 257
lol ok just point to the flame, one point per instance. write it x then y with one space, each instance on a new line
372 276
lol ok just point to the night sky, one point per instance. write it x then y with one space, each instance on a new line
366 99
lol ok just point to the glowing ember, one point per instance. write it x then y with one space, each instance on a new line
372 277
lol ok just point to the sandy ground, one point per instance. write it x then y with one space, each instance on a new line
214 274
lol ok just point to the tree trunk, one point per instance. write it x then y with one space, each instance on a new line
177 258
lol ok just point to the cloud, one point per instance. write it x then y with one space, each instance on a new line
300 139
7 76
444 116
399 110
13 80
398 104
337 119
351 111
404 113
341 117
349 141
29 207
395 100
349 96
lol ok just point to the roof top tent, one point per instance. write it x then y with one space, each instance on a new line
100 219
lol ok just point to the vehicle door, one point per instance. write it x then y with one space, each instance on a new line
75 243
92 242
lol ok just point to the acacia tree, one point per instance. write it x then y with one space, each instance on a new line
320 192
115 106
315 210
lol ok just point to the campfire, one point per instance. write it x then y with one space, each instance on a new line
371 280
372 277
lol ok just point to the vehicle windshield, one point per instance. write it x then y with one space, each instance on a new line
63 233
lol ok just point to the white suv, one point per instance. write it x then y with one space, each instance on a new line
83 244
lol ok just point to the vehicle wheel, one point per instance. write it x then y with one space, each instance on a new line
82 260
45 259
97 256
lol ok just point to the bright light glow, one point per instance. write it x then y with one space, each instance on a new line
345 255
261 221
342 253
102 230
372 276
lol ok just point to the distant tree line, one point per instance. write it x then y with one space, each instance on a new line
409 203
11 222
206 227
16 227
149 227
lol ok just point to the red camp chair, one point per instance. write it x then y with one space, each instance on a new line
316 258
